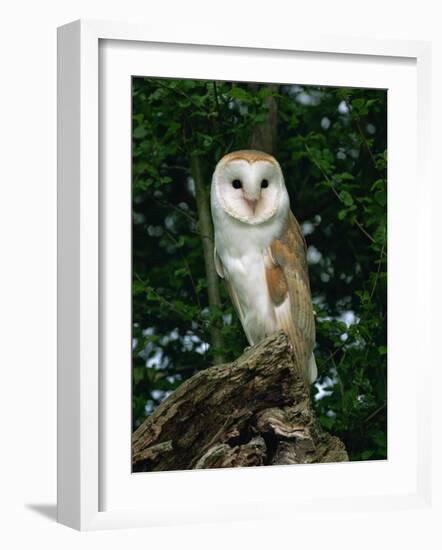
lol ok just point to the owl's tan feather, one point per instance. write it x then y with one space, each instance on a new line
249 155
289 289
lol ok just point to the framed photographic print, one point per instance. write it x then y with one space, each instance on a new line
227 213
278 274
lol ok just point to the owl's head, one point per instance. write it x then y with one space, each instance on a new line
249 186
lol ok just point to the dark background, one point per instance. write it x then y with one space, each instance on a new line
331 145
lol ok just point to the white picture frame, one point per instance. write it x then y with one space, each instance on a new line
82 443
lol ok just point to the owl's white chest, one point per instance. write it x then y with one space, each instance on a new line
242 250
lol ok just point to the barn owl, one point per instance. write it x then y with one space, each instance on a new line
260 252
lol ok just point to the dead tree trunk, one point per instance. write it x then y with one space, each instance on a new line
254 411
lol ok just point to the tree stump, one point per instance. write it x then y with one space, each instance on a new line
255 411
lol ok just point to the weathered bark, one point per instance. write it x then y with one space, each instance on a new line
206 230
254 411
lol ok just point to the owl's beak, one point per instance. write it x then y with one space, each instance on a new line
252 204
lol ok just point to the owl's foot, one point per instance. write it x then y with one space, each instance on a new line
247 348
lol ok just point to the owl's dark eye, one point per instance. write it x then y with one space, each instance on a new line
237 184
264 184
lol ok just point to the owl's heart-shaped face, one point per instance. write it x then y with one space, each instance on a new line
248 187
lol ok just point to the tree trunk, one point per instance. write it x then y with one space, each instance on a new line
252 412
265 135
206 230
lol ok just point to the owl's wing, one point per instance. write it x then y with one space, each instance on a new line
288 285
231 290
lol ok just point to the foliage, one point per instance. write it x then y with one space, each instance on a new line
332 149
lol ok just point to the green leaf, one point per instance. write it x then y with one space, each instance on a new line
381 197
342 214
139 132
240 94
365 455
346 198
